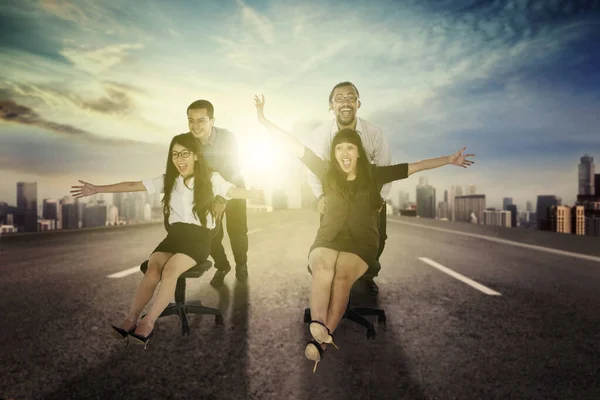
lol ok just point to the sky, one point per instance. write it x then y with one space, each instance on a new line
95 90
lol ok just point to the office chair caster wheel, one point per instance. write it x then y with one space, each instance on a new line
219 319
185 330
381 320
371 334
306 316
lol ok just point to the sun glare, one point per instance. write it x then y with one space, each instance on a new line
262 163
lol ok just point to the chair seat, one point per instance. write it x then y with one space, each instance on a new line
195 272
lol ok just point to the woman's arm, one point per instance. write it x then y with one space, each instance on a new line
402 171
293 145
87 189
458 159
241 193
429 163
316 164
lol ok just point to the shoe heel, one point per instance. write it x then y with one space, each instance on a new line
142 340
321 334
313 352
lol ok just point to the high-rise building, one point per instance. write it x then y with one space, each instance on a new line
586 175
506 202
496 217
512 208
560 219
597 186
471 189
442 210
95 215
426 201
469 208
69 213
592 226
529 207
27 204
578 220
403 200
544 202
51 212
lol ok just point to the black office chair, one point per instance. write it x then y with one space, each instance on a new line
183 308
357 315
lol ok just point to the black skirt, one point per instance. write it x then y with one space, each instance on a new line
189 239
343 241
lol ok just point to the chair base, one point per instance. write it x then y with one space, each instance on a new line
181 307
190 307
357 315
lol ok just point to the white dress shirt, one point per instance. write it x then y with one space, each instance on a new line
182 197
374 141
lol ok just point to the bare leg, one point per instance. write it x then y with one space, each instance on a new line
322 264
177 265
348 268
146 288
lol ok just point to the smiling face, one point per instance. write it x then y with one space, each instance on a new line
183 159
344 104
346 154
200 123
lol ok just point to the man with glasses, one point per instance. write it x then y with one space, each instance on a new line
344 102
220 153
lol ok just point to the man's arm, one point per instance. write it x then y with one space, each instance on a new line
321 147
383 157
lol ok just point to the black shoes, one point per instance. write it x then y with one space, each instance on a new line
219 276
241 273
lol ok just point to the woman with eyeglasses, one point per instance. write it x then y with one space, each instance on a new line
348 238
189 188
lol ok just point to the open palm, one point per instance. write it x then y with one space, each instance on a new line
87 189
259 102
459 159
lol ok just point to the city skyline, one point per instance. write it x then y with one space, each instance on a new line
94 93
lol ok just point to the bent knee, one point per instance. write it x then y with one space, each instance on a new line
154 269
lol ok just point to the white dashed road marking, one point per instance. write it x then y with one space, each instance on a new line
460 277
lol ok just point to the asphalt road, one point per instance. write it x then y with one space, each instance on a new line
530 331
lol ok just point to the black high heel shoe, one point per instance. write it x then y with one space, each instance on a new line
320 333
142 340
314 352
121 333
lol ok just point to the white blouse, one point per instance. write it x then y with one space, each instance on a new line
182 197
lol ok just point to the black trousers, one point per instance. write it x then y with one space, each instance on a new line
237 229
374 268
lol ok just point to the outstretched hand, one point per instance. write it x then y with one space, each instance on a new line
459 159
259 102
81 191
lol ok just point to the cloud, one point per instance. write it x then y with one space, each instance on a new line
12 112
98 60
28 149
67 10
259 22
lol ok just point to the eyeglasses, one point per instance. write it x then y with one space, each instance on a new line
341 99
183 153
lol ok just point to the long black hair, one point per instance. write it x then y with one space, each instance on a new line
335 177
203 191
